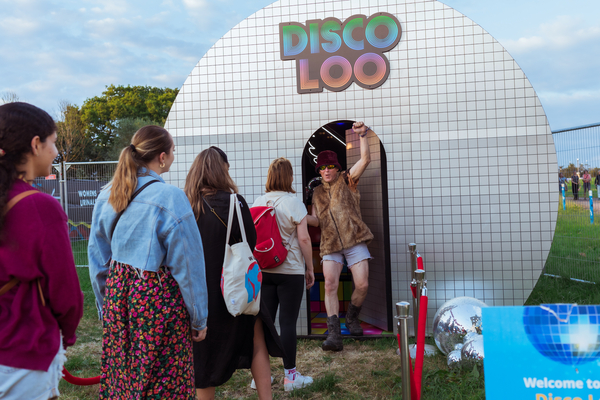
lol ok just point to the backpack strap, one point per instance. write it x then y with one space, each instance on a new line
286 244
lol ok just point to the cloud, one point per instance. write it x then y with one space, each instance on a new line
562 33
194 5
13 26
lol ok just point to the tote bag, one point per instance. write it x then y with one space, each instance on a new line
241 278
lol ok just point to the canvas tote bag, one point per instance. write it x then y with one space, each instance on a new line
241 278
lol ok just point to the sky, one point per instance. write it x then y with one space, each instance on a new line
70 50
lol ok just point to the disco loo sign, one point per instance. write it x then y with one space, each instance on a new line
331 54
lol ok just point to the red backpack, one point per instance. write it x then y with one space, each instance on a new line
270 250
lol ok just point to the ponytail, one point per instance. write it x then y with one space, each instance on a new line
147 143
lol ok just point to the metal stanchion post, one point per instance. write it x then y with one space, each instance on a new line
403 314
420 278
412 249
591 207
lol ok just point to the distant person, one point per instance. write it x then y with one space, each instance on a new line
147 272
597 181
283 286
41 302
561 181
344 236
238 342
575 185
587 182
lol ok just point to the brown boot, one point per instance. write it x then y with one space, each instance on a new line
352 322
334 338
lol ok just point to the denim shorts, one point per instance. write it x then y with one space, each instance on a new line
20 383
353 255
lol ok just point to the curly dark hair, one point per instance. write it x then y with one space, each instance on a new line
19 124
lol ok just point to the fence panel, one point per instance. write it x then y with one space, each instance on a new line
83 182
575 251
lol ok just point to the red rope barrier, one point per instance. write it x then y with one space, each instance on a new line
420 262
80 381
420 345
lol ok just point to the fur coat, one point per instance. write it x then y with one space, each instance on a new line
340 220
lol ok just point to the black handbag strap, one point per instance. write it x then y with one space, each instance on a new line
114 225
214 212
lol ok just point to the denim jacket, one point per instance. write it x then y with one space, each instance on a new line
157 229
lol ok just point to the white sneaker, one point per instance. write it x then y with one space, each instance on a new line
299 382
253 384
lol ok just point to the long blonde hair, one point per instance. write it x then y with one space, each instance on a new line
147 143
208 174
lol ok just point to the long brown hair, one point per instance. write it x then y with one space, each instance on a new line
280 176
147 143
19 124
208 174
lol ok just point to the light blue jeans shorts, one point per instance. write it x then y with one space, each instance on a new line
353 255
20 383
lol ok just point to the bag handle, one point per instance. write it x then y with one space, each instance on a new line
14 281
235 204
18 198
214 212
114 225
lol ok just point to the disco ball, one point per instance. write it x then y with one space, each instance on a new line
567 333
454 319
472 351
470 336
454 359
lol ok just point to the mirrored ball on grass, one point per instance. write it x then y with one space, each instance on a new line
455 319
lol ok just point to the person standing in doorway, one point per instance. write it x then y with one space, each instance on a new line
344 236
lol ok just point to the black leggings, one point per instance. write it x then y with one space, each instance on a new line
287 291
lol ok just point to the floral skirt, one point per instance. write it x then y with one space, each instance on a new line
146 341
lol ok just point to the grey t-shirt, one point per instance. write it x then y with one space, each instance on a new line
290 211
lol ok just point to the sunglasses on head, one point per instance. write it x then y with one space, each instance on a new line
330 166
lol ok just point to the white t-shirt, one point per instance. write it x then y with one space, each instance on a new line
290 212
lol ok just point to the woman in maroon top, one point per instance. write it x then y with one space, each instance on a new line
40 297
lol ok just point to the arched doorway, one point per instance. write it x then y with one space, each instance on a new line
377 310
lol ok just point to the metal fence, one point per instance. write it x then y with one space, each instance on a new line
575 251
76 186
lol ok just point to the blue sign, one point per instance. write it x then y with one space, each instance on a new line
547 352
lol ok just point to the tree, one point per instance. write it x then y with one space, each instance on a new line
123 133
9 97
568 172
72 140
101 114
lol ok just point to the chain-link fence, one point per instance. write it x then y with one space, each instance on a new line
76 186
575 251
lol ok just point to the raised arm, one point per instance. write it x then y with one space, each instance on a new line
365 153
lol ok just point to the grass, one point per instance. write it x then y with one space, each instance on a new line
80 252
370 369
575 251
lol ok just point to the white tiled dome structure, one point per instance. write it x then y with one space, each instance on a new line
464 163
